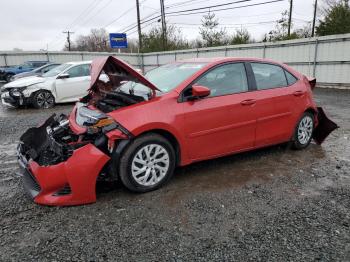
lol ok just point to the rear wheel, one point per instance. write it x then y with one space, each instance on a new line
43 99
147 164
303 131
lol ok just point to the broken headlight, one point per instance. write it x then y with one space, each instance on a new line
17 91
94 120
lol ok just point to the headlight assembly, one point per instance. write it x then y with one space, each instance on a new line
17 91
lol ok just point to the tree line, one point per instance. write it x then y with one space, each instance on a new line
335 20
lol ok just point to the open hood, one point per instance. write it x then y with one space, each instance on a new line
113 66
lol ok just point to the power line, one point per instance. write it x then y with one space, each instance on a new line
87 10
209 7
225 9
99 11
201 12
84 13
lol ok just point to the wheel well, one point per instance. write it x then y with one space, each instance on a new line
171 138
311 110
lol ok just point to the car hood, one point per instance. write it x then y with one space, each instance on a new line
113 66
26 81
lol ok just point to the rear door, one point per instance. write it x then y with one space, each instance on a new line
220 123
75 86
275 104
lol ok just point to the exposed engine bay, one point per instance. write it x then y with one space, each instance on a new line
51 143
111 88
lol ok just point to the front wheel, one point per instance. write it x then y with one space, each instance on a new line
147 164
43 99
303 131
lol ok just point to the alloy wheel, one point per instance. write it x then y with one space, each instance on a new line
305 129
150 164
44 100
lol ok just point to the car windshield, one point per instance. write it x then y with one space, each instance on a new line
55 71
166 77
26 65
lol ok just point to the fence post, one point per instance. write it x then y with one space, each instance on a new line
264 51
157 60
82 56
197 53
315 59
5 60
225 51
47 56
141 62
175 56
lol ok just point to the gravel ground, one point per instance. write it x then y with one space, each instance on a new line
274 204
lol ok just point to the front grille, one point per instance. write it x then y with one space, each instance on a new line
31 184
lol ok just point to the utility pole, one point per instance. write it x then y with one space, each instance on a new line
314 21
162 12
68 37
290 16
139 25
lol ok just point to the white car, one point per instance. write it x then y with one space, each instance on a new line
65 83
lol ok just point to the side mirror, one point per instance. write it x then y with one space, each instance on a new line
199 92
19 67
63 76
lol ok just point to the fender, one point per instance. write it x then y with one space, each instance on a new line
170 129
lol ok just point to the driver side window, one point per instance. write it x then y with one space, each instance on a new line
226 79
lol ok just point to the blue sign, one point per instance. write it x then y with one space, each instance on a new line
118 40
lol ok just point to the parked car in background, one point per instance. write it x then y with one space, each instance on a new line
139 128
65 83
36 72
7 72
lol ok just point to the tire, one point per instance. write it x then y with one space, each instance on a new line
303 131
140 173
43 99
8 77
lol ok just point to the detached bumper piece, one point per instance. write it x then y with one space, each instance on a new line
66 176
324 128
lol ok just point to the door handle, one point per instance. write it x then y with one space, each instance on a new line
248 102
298 93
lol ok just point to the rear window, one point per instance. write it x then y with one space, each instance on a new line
268 76
290 78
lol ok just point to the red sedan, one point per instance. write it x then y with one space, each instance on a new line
139 128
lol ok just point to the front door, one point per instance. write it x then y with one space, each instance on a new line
223 122
75 86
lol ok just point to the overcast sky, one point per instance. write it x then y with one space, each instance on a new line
34 24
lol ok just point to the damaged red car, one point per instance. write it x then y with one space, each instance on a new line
137 129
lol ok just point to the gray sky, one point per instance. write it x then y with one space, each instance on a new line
32 24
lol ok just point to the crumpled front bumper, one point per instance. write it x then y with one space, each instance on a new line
72 182
8 99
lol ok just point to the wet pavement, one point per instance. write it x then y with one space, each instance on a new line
271 204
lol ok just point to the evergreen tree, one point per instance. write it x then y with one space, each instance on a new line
336 19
